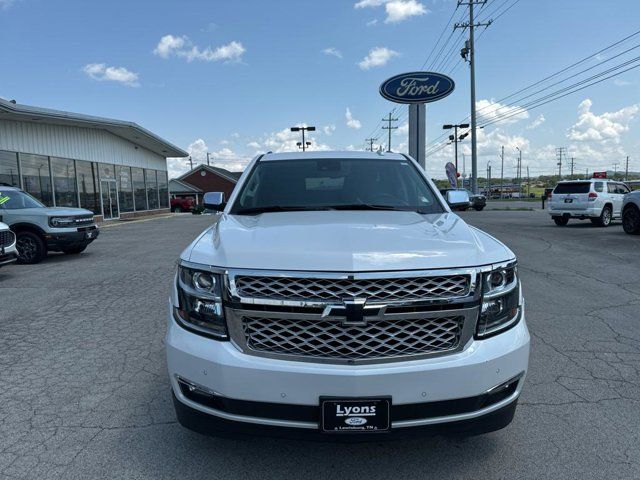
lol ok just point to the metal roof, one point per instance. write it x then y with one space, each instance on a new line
176 186
332 155
231 176
128 130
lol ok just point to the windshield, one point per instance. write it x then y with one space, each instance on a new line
341 184
576 187
16 199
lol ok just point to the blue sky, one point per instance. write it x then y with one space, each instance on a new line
230 77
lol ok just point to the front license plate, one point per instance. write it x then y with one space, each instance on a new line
351 415
568 200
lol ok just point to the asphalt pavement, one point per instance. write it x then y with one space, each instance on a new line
84 392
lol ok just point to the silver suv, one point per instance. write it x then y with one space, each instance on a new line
631 213
599 200
40 229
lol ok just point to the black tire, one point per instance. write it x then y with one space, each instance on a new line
605 217
631 220
31 248
561 221
74 250
479 208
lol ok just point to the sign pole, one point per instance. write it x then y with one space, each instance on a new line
417 132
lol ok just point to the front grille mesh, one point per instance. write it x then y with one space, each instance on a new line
333 340
7 238
373 289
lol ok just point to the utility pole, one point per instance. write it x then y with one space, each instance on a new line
303 129
560 151
389 120
191 162
519 169
572 165
208 158
615 170
488 186
370 141
502 172
528 183
626 171
470 49
455 137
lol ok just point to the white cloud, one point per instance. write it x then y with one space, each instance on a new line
183 47
372 23
6 3
102 72
332 51
254 145
400 10
352 122
618 82
286 141
537 122
606 127
377 57
369 3
490 110
329 129
223 158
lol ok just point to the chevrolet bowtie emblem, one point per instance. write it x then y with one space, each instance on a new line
354 310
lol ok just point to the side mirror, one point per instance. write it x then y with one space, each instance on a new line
214 201
458 198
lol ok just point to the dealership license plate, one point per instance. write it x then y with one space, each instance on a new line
568 200
351 415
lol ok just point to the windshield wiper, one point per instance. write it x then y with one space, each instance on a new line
278 208
368 206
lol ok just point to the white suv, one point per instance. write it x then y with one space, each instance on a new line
8 251
338 295
599 200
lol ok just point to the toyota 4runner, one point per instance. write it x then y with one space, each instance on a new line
41 229
337 296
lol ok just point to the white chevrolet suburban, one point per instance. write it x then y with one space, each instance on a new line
336 296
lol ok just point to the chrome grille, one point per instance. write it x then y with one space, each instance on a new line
332 340
7 238
335 289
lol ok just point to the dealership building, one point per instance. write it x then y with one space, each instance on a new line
114 168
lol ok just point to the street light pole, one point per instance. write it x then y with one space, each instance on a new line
455 137
303 129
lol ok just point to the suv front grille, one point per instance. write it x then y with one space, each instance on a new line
330 339
7 238
331 289
83 221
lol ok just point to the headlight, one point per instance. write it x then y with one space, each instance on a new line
500 301
61 222
200 299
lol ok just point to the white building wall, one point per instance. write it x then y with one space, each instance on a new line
77 143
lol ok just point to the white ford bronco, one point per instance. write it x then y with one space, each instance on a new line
336 296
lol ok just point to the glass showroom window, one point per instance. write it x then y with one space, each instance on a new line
140 194
152 188
64 182
125 188
163 189
35 177
107 171
9 173
87 186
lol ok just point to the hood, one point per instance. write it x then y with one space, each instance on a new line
55 211
345 241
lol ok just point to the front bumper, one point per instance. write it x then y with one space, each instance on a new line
59 240
8 256
279 396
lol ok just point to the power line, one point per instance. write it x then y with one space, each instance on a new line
370 141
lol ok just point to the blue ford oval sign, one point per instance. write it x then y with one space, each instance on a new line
417 87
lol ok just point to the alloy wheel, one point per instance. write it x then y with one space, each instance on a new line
27 249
